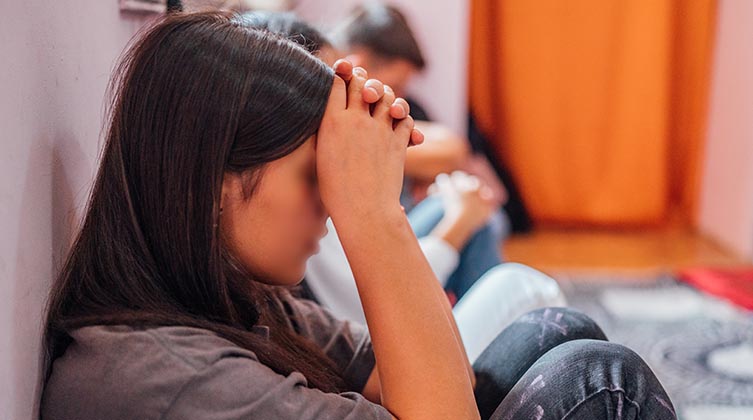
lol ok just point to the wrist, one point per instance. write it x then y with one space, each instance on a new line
365 219
454 231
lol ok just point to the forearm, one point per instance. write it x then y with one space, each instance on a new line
423 370
455 231
451 319
426 165
442 152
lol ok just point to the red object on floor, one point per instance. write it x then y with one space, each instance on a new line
735 285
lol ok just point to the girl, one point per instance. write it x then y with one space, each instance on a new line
227 149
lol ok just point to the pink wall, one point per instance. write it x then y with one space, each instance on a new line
726 211
57 57
442 30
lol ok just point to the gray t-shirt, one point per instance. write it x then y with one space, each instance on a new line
166 373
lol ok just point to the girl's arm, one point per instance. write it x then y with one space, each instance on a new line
421 362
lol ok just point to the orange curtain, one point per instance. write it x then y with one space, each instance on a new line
597 107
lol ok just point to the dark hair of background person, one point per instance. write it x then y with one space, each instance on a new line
382 29
289 26
174 5
195 97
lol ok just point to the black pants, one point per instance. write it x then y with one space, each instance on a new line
557 364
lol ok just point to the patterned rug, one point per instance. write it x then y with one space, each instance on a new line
700 347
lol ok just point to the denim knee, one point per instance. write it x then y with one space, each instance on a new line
563 322
605 374
588 379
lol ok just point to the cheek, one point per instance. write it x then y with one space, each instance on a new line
281 228
293 222
295 213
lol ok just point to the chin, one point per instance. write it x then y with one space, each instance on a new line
294 278
288 278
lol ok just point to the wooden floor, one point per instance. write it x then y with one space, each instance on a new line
649 251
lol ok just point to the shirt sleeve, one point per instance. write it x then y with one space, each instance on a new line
442 257
347 343
235 388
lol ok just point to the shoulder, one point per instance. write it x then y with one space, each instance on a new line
187 348
169 373
120 372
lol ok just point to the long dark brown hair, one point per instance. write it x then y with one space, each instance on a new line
194 97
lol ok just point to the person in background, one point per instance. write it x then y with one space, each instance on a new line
379 38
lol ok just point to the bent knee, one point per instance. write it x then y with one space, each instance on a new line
583 351
572 323
614 363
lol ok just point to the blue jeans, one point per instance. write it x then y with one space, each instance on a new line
480 254
555 364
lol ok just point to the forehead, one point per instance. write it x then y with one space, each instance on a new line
281 174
